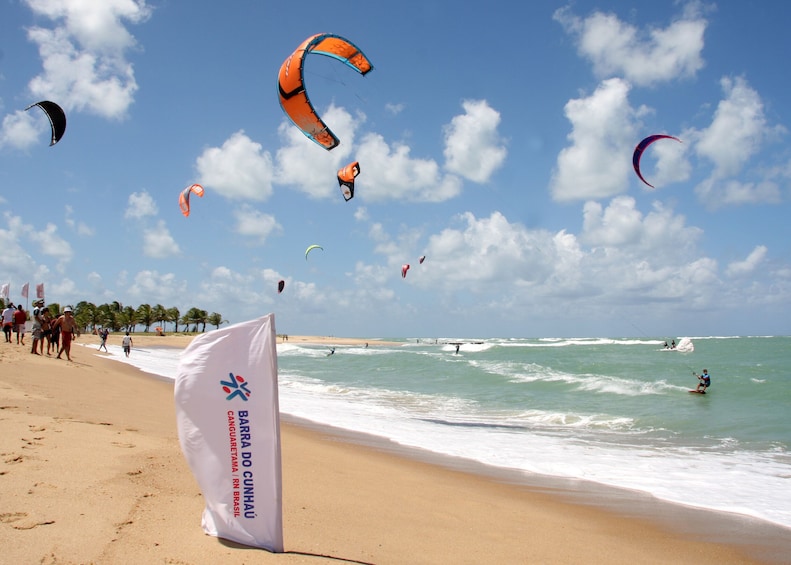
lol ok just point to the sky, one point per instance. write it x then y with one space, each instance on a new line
496 140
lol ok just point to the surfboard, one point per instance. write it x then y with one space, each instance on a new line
698 391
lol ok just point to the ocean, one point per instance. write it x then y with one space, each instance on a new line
614 412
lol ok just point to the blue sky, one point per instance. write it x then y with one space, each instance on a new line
497 142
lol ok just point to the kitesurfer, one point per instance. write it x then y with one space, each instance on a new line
332 351
705 381
457 347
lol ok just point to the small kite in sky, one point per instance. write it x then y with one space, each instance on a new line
280 286
56 116
422 258
311 248
291 83
642 146
346 177
184 197
404 269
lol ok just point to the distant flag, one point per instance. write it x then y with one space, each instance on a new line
228 418
4 291
24 290
40 291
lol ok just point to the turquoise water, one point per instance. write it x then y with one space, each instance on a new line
613 411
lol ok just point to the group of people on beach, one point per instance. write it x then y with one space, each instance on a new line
56 331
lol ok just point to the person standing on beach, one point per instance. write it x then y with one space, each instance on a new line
8 321
46 328
20 317
36 329
67 325
54 337
127 344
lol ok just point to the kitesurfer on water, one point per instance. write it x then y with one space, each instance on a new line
705 381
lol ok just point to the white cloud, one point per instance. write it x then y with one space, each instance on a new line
158 243
255 224
311 169
473 147
671 163
737 130
152 287
240 169
388 172
84 54
391 173
748 265
140 205
21 130
602 126
737 133
80 227
644 57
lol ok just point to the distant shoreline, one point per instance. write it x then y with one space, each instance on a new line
182 340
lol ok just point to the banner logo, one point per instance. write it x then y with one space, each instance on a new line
235 387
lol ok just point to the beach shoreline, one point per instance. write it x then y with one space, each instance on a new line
346 496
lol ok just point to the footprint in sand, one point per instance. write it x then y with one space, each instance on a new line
125 445
14 459
8 517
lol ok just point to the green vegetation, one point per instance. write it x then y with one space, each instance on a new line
118 317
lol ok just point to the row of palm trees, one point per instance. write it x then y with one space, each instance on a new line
118 317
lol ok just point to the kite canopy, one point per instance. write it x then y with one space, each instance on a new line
346 177
311 248
184 197
291 84
404 269
422 258
56 116
642 146
280 286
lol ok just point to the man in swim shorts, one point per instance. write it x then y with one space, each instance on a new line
67 325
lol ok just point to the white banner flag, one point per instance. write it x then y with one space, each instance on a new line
228 418
4 291
24 289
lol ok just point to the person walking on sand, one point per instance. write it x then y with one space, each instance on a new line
67 324
127 344
20 317
103 333
8 321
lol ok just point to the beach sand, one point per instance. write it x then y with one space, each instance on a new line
91 472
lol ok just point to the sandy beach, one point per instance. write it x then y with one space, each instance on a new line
91 472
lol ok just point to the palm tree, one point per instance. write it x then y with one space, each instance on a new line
216 320
172 315
145 315
110 317
129 318
160 314
196 317
86 315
